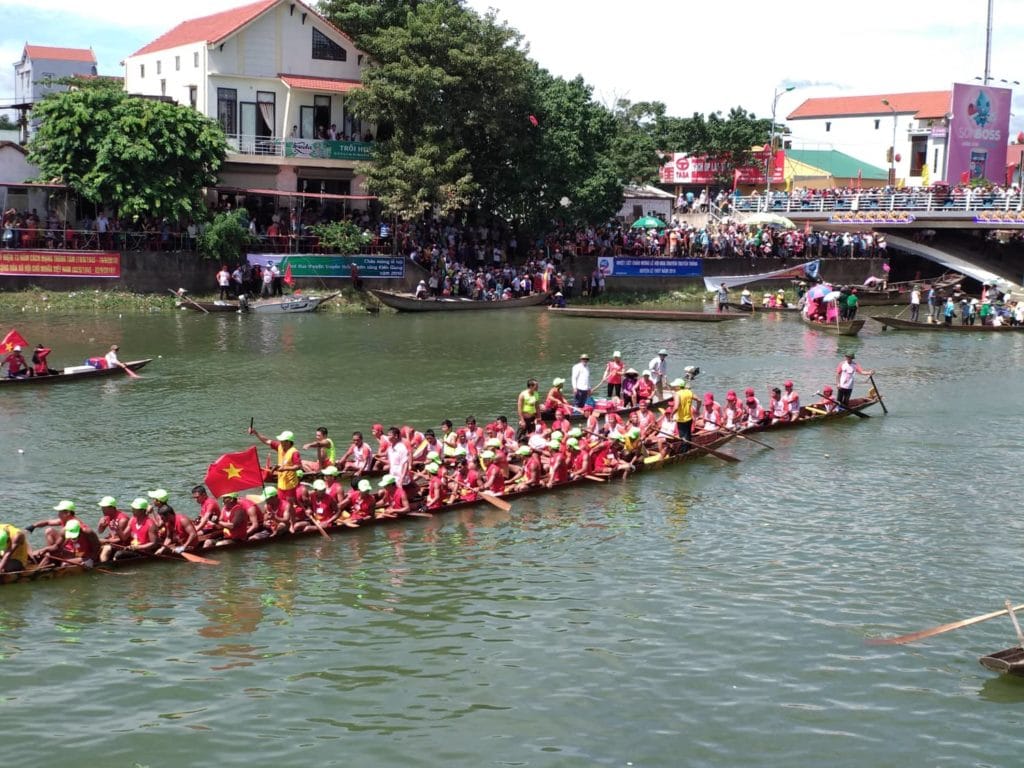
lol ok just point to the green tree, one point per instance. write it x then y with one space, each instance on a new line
730 138
226 237
343 237
6 124
143 156
360 19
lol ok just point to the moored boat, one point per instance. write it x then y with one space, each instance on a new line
289 305
77 373
910 325
838 328
209 306
754 308
405 302
643 314
1009 661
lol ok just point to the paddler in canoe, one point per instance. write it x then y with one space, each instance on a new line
555 403
68 540
114 523
14 552
324 451
358 458
140 533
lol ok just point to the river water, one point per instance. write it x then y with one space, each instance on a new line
704 615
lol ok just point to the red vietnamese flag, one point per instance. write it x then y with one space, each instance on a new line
234 472
12 340
288 279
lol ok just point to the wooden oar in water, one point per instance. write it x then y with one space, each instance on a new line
844 407
186 555
712 451
881 402
741 436
942 628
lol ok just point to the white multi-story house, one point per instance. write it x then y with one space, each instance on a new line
274 74
40 64
915 125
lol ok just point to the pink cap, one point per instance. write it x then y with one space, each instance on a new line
788 384
749 392
709 398
730 395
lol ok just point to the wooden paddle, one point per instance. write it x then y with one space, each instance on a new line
712 451
94 568
487 496
312 519
845 408
881 402
186 555
922 634
129 371
183 297
738 433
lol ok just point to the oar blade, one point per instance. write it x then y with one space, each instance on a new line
198 559
941 629
500 503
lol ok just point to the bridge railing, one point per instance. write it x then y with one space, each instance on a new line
965 202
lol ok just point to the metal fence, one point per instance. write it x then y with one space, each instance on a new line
965 202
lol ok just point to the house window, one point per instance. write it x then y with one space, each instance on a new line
321 115
326 49
142 70
177 63
159 67
828 126
877 123
193 96
227 110
195 59
163 87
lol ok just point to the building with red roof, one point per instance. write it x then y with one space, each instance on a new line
275 75
41 64
912 126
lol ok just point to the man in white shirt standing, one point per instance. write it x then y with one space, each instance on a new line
659 373
224 282
581 381
398 457
915 303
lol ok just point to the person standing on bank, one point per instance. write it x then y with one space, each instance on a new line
845 374
581 380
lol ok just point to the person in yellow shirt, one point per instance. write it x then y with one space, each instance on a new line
289 463
682 408
13 549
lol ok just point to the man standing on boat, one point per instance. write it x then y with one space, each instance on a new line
845 374
915 303
722 297
581 380
659 373
681 409
288 463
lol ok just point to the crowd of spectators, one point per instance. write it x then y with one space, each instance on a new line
959 197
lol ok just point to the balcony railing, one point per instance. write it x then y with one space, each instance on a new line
317 149
962 202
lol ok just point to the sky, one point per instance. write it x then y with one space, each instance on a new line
693 56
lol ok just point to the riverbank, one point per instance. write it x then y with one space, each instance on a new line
38 300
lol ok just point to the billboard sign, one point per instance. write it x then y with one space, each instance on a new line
309 265
682 168
649 267
978 133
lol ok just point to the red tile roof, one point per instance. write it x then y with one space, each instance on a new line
220 26
59 54
334 85
922 105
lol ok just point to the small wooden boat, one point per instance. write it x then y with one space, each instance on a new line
209 306
755 308
840 328
910 325
290 305
405 302
1009 661
811 415
76 373
644 314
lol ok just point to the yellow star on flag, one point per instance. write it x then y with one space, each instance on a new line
232 471
8 347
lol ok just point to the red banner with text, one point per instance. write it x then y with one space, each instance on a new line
60 263
681 168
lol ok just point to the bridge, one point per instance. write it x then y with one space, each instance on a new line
979 233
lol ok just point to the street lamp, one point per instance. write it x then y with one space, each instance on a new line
892 149
771 145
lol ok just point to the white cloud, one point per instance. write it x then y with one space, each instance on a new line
125 14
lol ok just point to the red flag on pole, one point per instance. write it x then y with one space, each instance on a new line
12 340
288 279
736 179
234 472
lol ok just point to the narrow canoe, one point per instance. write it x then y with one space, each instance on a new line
711 441
289 305
749 308
644 314
1009 661
909 325
77 375
405 302
209 306
808 416
842 328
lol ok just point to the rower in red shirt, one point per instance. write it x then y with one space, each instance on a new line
114 522
207 523
233 520
322 506
39 365
533 467
254 528
465 482
392 500
178 531
436 486
558 468
140 532
494 476
362 502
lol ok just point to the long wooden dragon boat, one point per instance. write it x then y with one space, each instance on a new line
78 373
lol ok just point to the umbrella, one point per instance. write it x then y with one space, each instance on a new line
819 290
831 296
771 220
649 222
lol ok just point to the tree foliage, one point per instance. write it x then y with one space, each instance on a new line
343 237
143 156
226 237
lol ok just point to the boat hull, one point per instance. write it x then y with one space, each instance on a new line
644 314
209 306
405 303
290 305
842 328
909 325
1009 661
62 378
